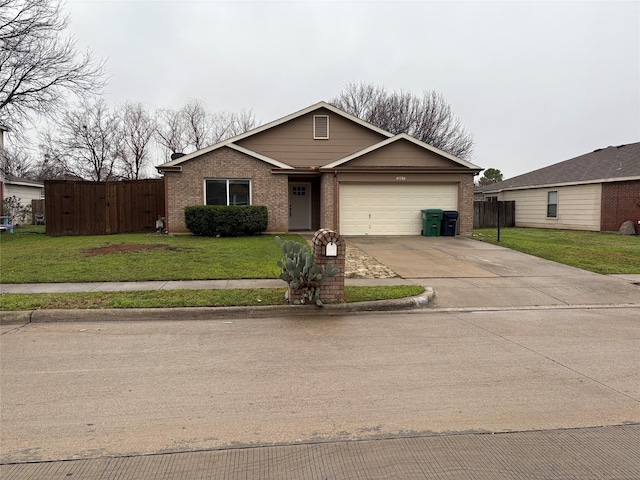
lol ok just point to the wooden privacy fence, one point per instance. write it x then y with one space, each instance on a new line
102 208
485 214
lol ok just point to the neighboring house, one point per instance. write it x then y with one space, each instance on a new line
596 191
24 190
323 168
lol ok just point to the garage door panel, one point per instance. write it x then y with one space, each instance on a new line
391 209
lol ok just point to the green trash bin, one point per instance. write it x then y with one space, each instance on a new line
431 222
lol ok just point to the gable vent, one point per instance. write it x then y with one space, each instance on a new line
321 127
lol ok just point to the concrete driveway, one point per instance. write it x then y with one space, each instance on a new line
467 273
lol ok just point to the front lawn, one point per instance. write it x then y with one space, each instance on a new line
31 257
599 252
28 256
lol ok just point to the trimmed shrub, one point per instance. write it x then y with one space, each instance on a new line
232 221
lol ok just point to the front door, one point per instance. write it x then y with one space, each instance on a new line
299 206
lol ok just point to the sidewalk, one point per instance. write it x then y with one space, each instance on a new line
175 285
598 453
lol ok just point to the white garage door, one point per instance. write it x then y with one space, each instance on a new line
391 209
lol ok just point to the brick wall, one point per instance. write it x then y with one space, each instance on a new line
187 187
327 207
332 288
620 202
465 205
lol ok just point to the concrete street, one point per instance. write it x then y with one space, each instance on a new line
79 390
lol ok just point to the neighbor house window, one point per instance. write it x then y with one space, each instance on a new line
227 192
321 127
552 204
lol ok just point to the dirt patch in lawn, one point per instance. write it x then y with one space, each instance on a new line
129 247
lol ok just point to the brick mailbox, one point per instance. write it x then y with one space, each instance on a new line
330 247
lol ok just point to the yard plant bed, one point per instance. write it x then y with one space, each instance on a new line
599 252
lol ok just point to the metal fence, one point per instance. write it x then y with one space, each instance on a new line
485 214
102 208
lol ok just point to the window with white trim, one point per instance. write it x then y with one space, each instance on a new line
227 192
552 204
321 127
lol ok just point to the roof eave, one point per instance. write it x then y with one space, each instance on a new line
168 168
400 169
563 184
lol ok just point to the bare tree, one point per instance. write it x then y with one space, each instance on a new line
428 118
242 122
229 124
20 161
90 139
38 66
137 128
171 131
52 167
193 127
197 122
15 162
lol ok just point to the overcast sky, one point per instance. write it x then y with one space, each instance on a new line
534 82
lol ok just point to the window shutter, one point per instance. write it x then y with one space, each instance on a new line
321 127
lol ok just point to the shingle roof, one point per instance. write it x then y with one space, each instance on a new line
602 165
22 181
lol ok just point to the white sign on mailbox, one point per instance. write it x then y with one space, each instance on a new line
332 250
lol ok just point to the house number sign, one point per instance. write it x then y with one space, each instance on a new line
401 178
332 250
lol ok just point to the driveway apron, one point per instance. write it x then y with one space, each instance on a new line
466 273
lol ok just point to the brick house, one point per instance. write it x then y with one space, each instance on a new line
323 168
597 191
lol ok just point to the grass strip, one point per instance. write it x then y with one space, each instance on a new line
185 298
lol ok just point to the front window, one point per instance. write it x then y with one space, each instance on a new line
552 204
227 192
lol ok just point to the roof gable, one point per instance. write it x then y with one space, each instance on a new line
603 165
294 142
350 138
305 111
438 157
175 165
238 139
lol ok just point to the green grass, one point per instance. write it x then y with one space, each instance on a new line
30 257
599 252
185 298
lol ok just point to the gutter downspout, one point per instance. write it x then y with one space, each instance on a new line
335 200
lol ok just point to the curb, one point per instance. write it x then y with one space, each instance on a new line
211 313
